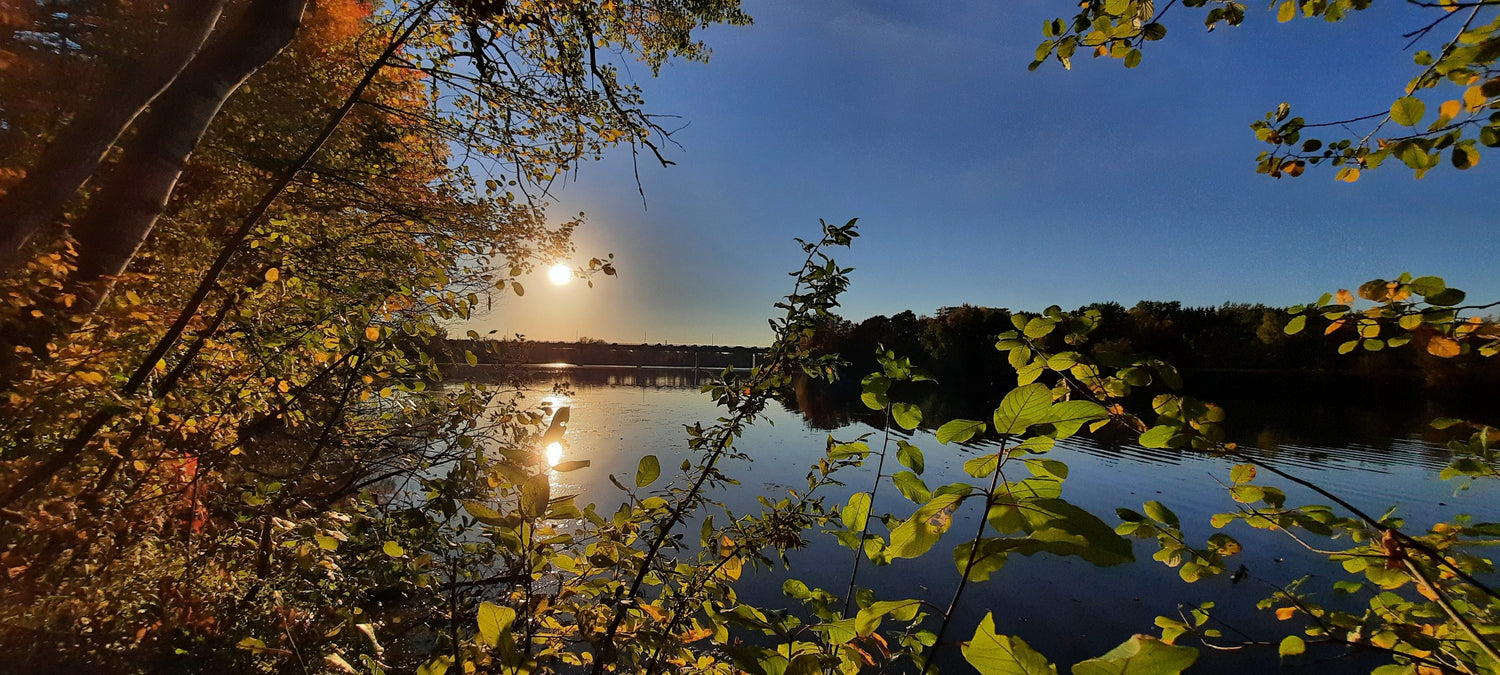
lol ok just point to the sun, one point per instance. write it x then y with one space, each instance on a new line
560 274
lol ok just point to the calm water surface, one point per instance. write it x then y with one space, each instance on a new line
1064 607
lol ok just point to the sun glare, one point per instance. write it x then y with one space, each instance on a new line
560 274
554 453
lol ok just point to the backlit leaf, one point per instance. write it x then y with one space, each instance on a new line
1022 407
993 654
958 431
1408 110
494 621
1140 655
857 512
1443 347
908 415
647 471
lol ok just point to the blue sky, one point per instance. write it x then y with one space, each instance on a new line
976 181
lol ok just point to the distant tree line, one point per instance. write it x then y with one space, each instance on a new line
594 352
958 344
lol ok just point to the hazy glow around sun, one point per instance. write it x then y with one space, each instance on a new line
554 452
560 274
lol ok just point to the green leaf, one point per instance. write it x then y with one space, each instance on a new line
1292 645
911 486
1242 473
857 512
958 431
1140 655
982 466
993 654
988 559
1063 528
1068 417
1296 325
1133 58
843 450
483 513
1160 513
910 457
647 471
1428 285
868 619
1039 327
1445 422
1408 110
1158 436
494 622
908 415
917 535
1447 298
535 493
1022 407
564 467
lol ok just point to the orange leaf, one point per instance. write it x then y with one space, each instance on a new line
1285 613
1344 297
372 333
696 634
1333 327
1449 109
1443 347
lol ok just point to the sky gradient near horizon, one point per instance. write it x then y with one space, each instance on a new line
976 181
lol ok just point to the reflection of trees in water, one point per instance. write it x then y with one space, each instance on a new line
1308 415
1311 419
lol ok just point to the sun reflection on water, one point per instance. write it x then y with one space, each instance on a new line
554 453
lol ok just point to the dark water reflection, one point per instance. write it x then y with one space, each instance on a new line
1371 447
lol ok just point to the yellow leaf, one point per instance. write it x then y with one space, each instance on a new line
1286 12
656 613
1443 347
273 274
372 332
1348 174
91 377
1474 98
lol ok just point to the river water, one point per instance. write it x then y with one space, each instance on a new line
1064 607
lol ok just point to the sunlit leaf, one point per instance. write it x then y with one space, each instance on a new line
908 415
647 471
993 654
1140 655
958 431
494 622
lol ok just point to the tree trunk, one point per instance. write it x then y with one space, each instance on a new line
69 161
135 190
